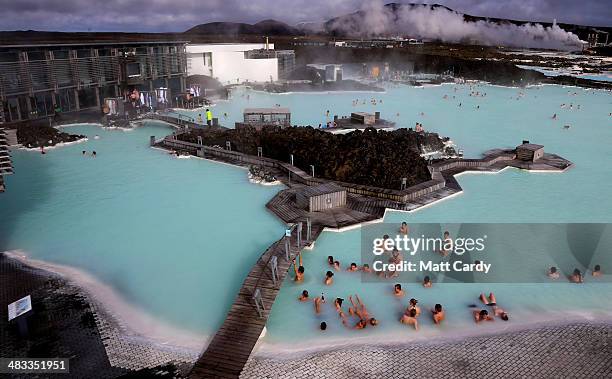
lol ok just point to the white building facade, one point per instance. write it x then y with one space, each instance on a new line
228 63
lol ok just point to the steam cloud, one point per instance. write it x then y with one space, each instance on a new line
439 23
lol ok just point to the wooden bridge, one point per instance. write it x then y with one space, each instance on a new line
230 348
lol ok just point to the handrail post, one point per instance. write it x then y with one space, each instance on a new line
274 269
308 229
287 254
259 304
299 235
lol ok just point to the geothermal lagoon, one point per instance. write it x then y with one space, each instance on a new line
174 238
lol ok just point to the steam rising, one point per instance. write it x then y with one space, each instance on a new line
442 24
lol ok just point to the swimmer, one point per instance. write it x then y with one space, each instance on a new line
353 267
554 117
576 277
323 326
413 305
84 152
299 271
366 268
597 270
338 304
398 291
482 315
410 319
404 229
317 304
336 265
492 302
427 281
437 314
93 153
553 273
329 278
304 296
330 260
361 311
447 247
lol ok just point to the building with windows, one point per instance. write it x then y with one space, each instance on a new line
6 167
238 63
38 80
260 117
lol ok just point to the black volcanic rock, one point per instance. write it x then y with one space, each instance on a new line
369 157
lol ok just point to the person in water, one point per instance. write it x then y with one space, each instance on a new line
329 278
323 326
317 303
299 271
366 268
412 304
492 302
438 314
482 315
304 296
427 281
84 152
330 260
93 154
553 273
597 270
397 290
336 265
447 248
361 311
410 318
353 267
576 277
404 229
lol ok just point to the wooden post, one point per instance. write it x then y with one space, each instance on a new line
299 234
308 229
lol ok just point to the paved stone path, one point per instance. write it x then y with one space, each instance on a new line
573 351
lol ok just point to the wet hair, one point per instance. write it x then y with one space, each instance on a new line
301 269
484 313
413 301
412 312
329 274
504 316
339 301
386 236
305 293
597 268
404 223
426 279
373 321
398 286
477 262
330 259
446 233
438 307
337 263
362 322
553 269
366 265
323 325
353 264
577 272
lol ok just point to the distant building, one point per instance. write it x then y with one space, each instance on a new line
529 152
260 117
6 167
330 73
322 197
37 80
238 63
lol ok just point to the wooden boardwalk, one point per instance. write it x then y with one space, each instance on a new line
231 347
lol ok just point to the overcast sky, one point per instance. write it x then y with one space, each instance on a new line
179 15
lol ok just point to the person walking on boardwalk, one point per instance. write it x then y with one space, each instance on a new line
209 117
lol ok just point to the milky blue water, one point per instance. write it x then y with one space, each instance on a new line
605 76
158 228
173 236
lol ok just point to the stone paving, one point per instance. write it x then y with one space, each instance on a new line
574 351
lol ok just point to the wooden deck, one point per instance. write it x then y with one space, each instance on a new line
232 345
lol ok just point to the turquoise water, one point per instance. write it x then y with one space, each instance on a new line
605 76
158 228
173 236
